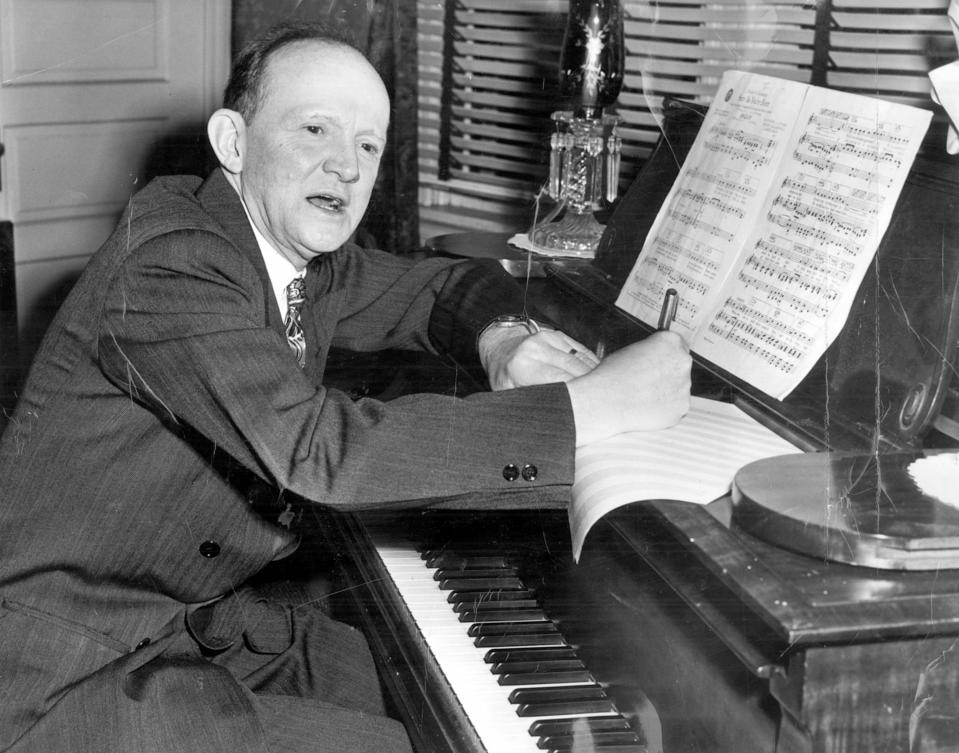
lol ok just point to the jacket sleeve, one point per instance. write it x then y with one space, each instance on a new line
183 330
435 304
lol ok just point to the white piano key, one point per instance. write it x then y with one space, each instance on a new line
484 701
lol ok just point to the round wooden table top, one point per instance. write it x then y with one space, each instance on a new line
855 508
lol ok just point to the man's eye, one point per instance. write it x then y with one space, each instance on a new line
314 129
370 148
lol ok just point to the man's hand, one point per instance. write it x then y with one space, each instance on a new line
514 358
640 387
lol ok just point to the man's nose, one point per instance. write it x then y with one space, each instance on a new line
344 164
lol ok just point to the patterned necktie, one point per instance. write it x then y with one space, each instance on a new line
294 329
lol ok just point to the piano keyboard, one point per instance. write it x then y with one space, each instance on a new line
521 685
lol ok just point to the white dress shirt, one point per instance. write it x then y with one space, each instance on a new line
278 267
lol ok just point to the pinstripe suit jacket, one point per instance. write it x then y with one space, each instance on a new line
164 415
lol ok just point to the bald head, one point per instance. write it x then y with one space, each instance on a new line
305 160
246 87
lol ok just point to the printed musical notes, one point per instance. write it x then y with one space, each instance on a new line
740 145
772 223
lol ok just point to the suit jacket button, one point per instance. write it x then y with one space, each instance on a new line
529 472
510 472
209 549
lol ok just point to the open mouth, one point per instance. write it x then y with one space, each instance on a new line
327 201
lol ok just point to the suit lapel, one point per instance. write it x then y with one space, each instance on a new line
222 202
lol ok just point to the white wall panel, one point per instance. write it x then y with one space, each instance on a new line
91 40
79 236
93 168
89 91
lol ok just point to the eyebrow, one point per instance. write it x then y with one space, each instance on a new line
332 117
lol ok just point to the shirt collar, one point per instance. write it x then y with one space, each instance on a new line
280 269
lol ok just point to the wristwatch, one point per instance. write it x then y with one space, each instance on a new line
514 320
506 321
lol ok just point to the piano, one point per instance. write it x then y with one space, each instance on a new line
680 630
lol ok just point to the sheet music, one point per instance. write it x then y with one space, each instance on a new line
693 461
772 223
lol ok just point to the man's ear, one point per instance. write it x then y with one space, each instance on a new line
226 130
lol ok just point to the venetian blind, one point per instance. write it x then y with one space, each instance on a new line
885 48
488 76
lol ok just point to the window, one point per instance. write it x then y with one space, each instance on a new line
488 80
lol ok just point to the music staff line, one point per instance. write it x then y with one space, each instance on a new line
693 221
812 261
829 166
714 202
825 217
749 141
743 154
761 338
673 250
785 331
674 278
857 200
843 121
780 297
734 336
726 184
798 279
850 149
807 231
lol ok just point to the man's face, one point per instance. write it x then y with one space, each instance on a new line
313 148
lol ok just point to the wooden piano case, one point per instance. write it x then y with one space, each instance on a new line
709 639
744 646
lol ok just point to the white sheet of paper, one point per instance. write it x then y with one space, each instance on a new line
693 461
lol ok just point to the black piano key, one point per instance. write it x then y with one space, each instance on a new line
483 597
597 706
612 748
492 601
458 561
542 678
504 655
519 639
432 556
502 615
564 693
589 740
482 584
565 727
494 604
464 548
543 665
510 628
447 573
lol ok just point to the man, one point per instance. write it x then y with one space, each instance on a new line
172 426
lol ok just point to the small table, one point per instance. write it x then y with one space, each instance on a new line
476 244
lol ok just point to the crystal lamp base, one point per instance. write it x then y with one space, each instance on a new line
583 177
574 234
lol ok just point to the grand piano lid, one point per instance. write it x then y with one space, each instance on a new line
861 509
